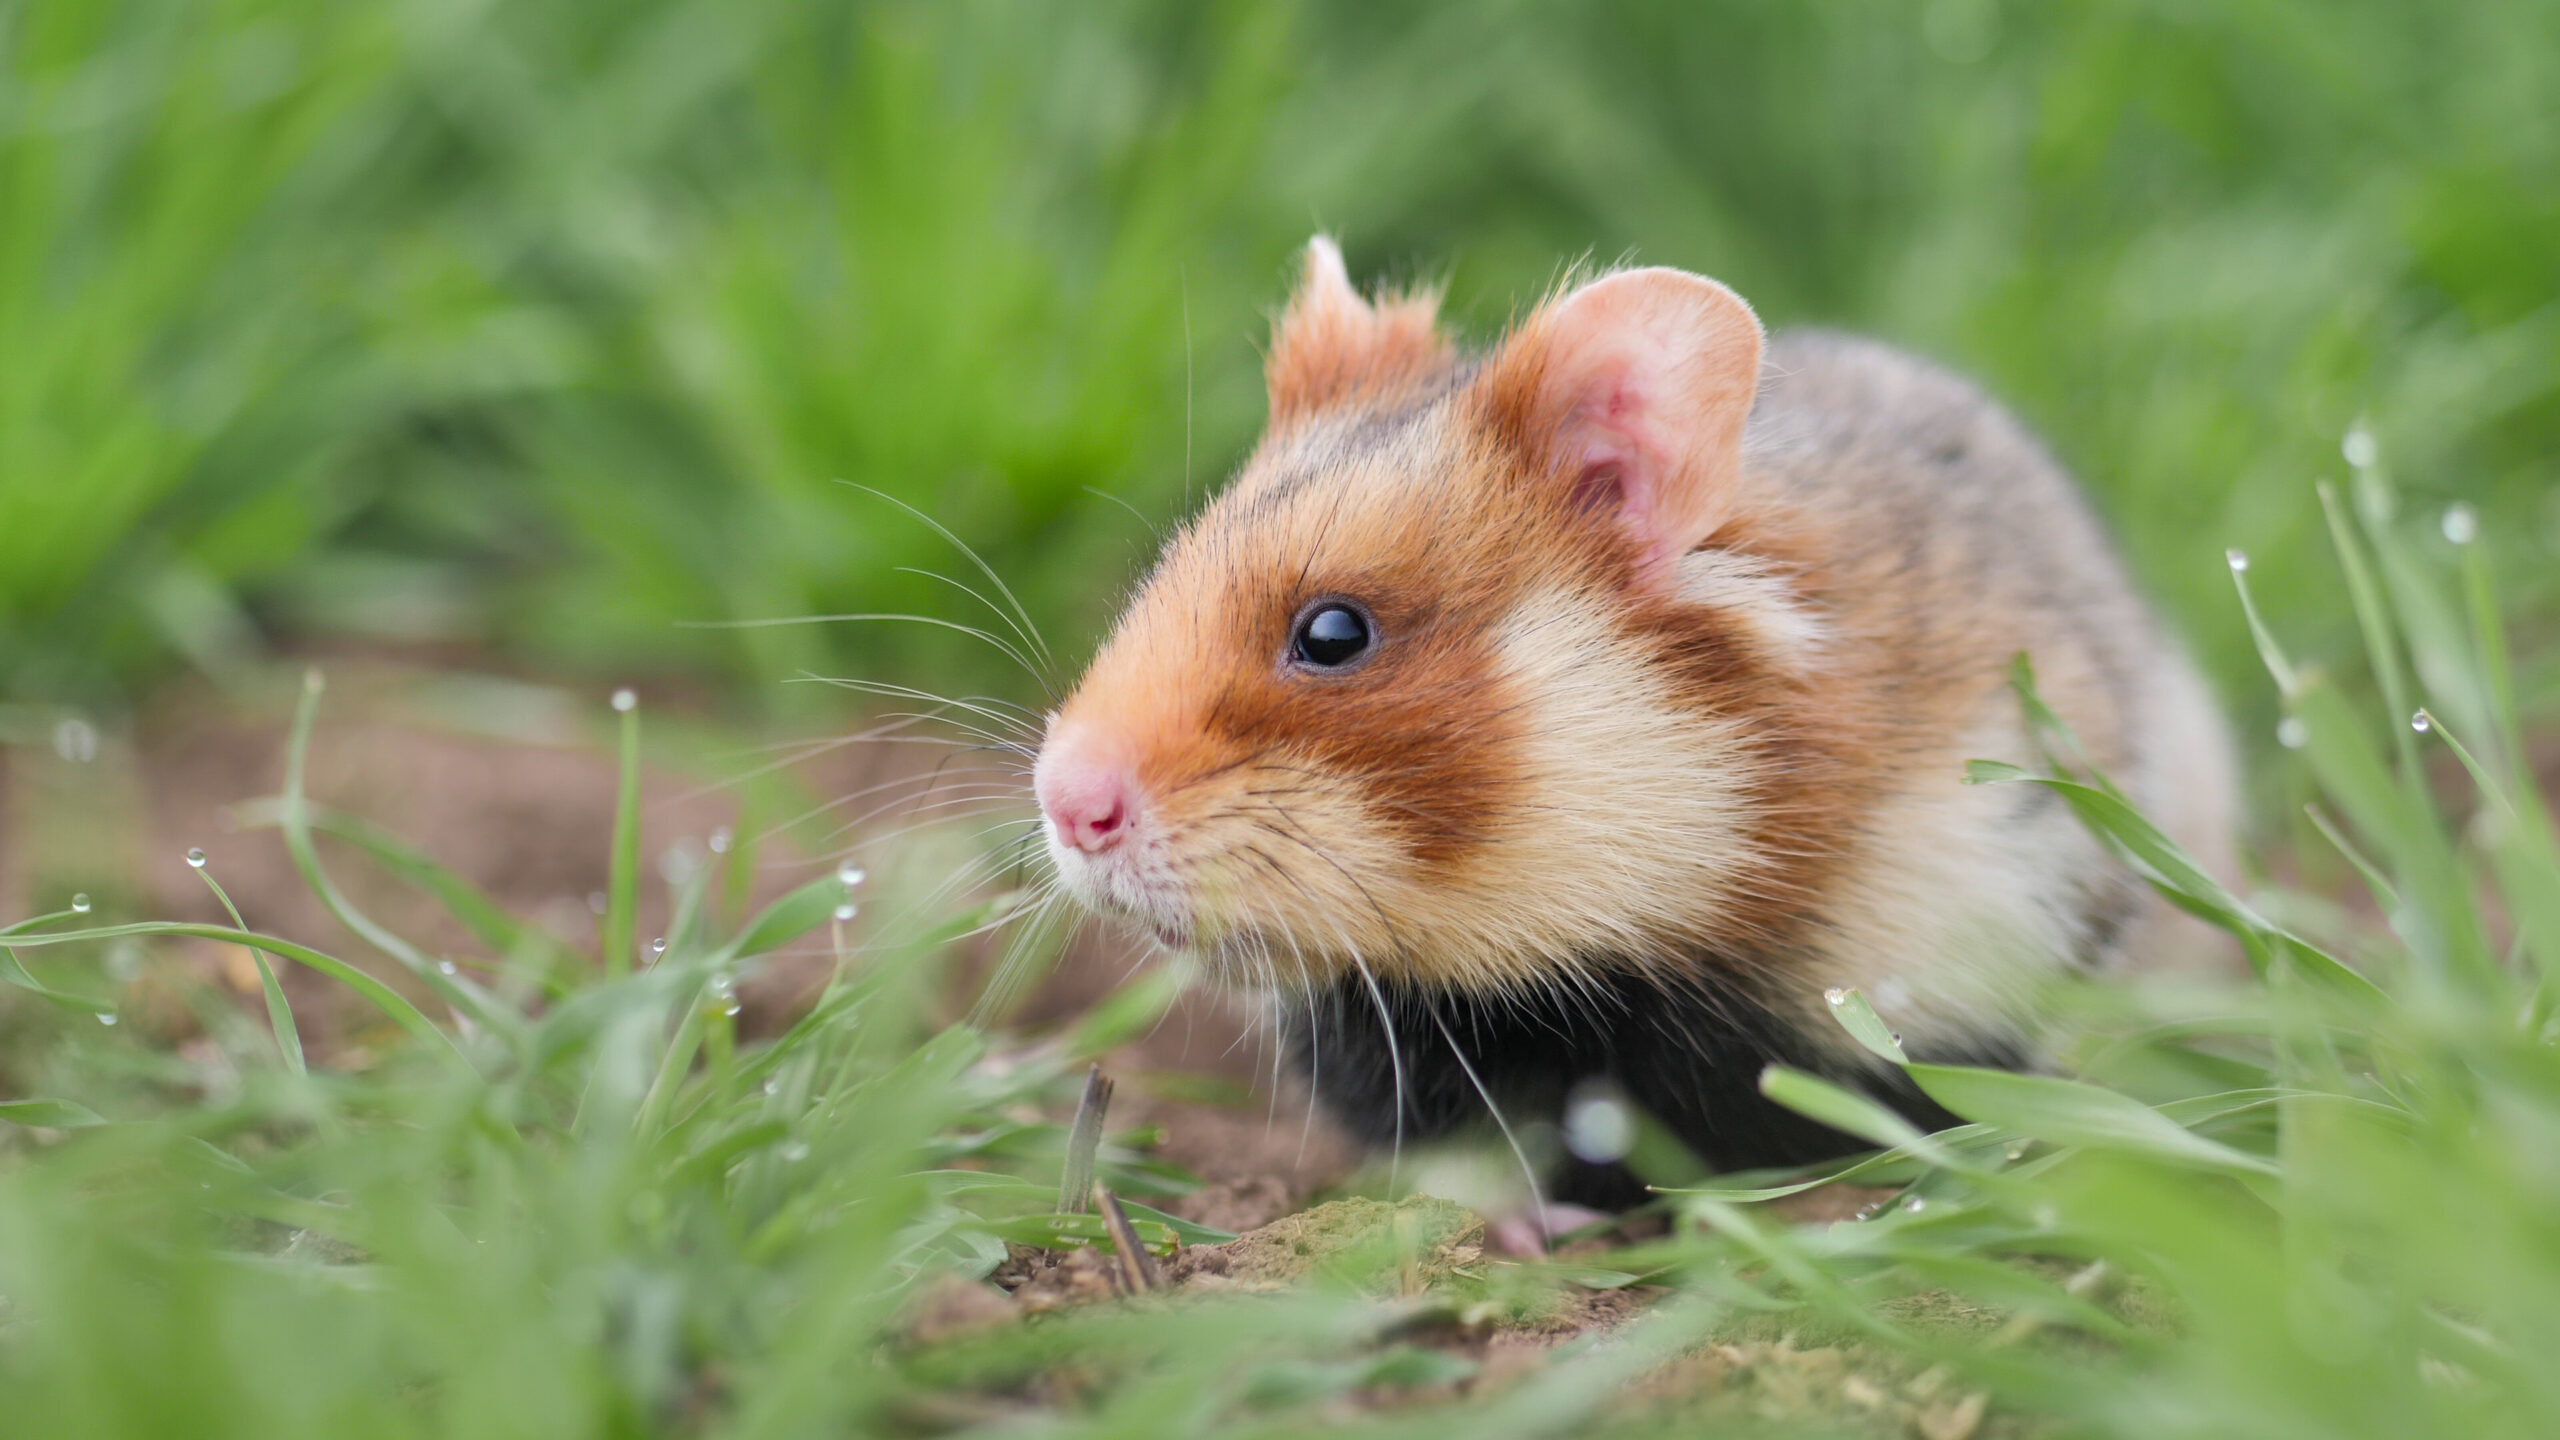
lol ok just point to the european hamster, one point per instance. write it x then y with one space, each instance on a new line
1581 710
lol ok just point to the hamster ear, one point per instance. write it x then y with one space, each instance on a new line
1630 394
1331 348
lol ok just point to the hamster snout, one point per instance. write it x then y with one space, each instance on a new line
1089 798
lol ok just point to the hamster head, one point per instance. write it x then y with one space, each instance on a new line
1478 675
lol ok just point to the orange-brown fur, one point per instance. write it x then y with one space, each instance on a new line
1580 744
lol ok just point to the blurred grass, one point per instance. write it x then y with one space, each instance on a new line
548 327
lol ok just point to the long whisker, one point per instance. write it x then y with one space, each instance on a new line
1002 645
1395 1065
909 692
1528 1172
1029 626
973 594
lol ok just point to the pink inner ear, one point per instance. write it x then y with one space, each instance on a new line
1610 426
1637 387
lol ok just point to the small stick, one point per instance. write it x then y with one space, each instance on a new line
1084 1141
1136 1268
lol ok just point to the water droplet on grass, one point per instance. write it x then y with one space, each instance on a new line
733 1007
721 840
773 1087
1598 1129
2359 447
2239 561
2461 524
195 857
2422 722
79 904
106 1019
1916 1206
1835 996
846 911
796 1151
657 947
626 700
849 874
2291 733
75 740
448 967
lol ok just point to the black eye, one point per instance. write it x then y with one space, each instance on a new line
1331 635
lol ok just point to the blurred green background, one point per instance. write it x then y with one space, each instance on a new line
530 332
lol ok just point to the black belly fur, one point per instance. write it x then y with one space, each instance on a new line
1688 1053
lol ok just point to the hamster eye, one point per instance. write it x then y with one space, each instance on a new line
1330 636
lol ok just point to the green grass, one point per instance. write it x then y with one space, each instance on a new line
562 1198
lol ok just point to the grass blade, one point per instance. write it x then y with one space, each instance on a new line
466 999
1084 1142
384 998
622 890
13 973
51 1114
2068 1112
279 1013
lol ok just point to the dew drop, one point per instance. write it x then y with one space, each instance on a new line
79 904
2359 447
2461 524
195 857
849 874
773 1087
1598 1129
448 967
657 947
721 840
846 911
75 740
1897 1037
796 1151
106 1019
2017 1152
2239 561
2422 722
1835 996
733 1007
1916 1206
626 699
678 865
2291 733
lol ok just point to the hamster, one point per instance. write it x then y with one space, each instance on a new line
1579 712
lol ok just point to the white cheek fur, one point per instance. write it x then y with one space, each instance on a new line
1790 630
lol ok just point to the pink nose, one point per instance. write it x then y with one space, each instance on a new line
1090 804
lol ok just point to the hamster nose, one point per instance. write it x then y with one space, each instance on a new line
1090 805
